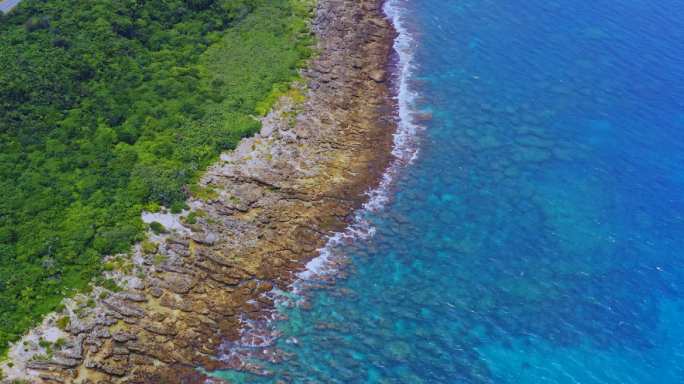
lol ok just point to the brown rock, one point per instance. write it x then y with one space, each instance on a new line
156 292
379 75
123 336
126 309
180 284
117 370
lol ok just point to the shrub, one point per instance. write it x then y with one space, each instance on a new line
59 343
7 235
149 247
192 218
178 207
157 227
103 295
158 259
152 207
60 42
43 22
63 322
109 284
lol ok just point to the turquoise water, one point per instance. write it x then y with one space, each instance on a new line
538 237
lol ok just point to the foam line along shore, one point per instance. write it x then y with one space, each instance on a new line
405 142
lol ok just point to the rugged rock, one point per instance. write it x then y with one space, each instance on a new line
124 308
379 75
123 336
156 292
117 370
101 333
56 361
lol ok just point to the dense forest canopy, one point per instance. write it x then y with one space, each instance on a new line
108 106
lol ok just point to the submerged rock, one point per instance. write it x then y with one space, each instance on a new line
397 350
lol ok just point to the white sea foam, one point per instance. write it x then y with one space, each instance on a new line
325 263
404 150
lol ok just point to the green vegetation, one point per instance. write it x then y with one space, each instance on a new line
149 247
63 322
203 193
111 107
192 218
157 227
178 207
158 259
110 284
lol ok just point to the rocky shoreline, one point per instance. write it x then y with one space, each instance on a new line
206 289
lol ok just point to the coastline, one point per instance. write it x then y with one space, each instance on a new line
281 197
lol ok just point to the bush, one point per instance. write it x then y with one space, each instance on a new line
43 23
192 218
7 235
60 42
163 181
59 343
63 322
152 207
149 247
109 284
103 295
178 207
157 227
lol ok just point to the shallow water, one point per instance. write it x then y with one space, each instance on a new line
537 237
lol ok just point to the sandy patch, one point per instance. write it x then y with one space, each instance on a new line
168 220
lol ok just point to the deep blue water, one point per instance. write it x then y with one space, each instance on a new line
539 235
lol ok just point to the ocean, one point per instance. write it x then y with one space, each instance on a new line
532 230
